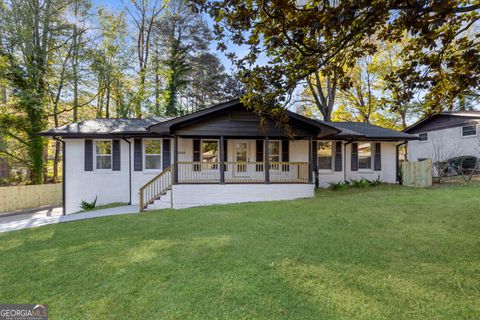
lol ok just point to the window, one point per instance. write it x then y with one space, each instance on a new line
365 156
104 154
324 155
274 154
153 158
470 130
210 153
423 136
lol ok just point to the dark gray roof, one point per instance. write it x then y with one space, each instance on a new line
458 115
119 127
361 130
474 114
104 127
166 126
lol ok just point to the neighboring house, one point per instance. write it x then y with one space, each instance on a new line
217 155
444 136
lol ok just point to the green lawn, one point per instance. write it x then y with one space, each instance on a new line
378 253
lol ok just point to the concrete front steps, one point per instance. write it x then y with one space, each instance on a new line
162 203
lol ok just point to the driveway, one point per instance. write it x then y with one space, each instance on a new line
40 218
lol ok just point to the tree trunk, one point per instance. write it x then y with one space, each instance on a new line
75 77
107 107
157 93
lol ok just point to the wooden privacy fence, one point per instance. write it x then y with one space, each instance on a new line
417 173
25 197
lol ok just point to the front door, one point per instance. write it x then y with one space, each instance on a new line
241 157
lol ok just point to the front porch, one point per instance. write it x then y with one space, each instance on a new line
198 162
228 154
224 161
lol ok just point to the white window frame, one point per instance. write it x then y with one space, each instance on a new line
111 155
145 155
423 141
471 135
372 152
214 165
332 156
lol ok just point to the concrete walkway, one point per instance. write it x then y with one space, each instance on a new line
23 221
46 211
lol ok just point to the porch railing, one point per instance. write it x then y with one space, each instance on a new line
154 189
242 172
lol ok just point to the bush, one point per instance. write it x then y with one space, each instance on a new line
356 183
462 165
336 186
375 182
88 205
360 183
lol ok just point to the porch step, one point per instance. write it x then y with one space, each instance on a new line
162 203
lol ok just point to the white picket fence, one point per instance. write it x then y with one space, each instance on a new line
16 198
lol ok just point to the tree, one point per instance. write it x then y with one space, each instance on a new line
397 94
299 39
110 62
441 153
208 82
176 72
80 13
361 100
144 14
181 34
30 30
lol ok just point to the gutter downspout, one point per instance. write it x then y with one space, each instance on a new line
129 170
398 161
345 160
64 206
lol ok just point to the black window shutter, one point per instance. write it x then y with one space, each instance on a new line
166 153
354 166
338 156
259 155
137 155
88 155
378 157
196 150
225 153
285 155
196 154
285 151
116 155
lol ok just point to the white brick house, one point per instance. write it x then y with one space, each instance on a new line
217 155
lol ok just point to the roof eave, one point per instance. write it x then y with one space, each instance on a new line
100 135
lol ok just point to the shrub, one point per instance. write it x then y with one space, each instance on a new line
336 186
375 182
360 183
356 183
462 165
88 205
